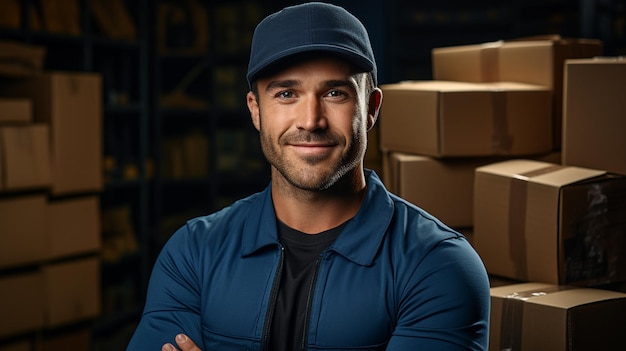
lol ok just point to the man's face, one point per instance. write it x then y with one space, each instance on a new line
313 120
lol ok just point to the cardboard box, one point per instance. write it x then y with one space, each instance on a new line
595 114
74 226
24 157
476 63
72 291
452 119
16 110
186 156
528 60
71 103
23 228
18 59
61 16
543 317
543 222
113 20
442 187
10 15
21 303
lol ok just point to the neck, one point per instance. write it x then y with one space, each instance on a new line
313 212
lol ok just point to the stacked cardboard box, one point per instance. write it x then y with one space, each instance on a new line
70 104
488 101
595 114
546 317
480 147
563 224
25 156
50 179
545 222
533 60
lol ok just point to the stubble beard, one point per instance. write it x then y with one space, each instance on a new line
317 174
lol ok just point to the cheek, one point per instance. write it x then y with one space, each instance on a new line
359 123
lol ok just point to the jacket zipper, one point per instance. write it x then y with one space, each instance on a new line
272 303
309 299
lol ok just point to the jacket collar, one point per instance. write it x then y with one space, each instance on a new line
360 239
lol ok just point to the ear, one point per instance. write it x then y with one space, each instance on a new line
373 107
253 107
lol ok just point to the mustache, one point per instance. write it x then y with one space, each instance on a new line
303 136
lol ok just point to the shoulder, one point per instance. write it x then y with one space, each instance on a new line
409 228
420 225
216 227
431 244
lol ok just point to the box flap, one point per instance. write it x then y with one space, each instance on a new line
506 291
513 167
571 297
566 175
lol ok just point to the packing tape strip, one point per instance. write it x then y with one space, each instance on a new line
513 315
517 217
501 140
489 62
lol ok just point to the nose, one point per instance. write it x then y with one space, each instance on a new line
311 114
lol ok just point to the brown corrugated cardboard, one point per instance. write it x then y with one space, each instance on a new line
72 291
443 187
74 226
545 317
476 63
527 60
71 103
25 157
543 222
452 119
595 114
18 59
23 228
16 110
532 60
21 303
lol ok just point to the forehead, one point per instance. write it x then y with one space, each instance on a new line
314 62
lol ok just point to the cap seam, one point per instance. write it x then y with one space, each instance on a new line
309 24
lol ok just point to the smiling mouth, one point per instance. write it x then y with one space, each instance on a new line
312 147
312 144
313 151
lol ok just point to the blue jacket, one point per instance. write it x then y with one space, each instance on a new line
395 279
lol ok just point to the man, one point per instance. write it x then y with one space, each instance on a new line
325 257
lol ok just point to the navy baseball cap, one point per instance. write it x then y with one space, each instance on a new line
309 27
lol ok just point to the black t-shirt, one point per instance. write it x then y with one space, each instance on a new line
301 254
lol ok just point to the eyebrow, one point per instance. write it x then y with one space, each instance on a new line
276 84
341 83
290 83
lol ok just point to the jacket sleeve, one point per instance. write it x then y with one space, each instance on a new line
173 297
445 305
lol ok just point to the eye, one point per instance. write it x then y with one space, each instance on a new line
336 93
284 94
